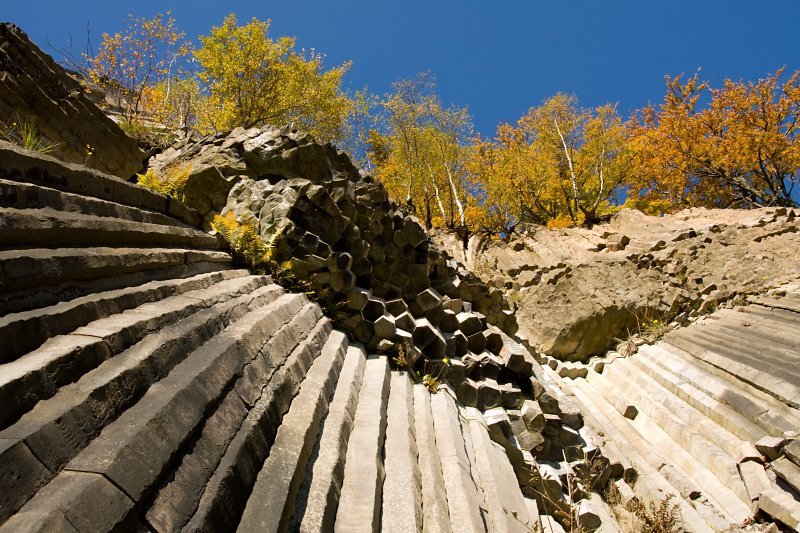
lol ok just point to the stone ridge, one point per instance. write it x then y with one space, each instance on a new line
636 273
340 231
141 370
34 87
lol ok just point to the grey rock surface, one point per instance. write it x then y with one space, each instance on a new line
669 268
34 87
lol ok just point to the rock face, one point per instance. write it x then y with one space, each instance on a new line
401 296
34 87
140 369
340 231
578 292
145 384
709 415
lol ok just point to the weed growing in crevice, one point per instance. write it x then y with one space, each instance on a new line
663 517
24 132
653 328
171 182
402 360
251 252
428 375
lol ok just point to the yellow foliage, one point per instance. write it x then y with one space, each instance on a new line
171 182
129 64
244 241
559 165
421 158
253 79
563 221
741 150
175 103
250 251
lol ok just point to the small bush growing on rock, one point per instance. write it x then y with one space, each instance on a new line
431 377
332 305
247 247
635 516
430 380
661 518
171 182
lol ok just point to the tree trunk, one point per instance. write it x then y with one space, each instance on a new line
576 199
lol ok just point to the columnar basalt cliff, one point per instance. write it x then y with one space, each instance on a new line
147 383
35 88
338 228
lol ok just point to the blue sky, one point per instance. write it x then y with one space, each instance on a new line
497 58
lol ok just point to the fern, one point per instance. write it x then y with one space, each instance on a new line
172 182
247 246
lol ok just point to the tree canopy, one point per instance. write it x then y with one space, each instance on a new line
129 66
240 77
421 154
252 79
741 150
559 164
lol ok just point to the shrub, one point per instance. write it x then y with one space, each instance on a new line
171 182
663 517
248 249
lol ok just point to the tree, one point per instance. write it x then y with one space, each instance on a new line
741 150
361 127
500 171
579 159
129 65
252 79
560 165
421 155
177 103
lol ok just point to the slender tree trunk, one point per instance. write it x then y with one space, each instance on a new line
453 188
576 200
459 204
438 197
602 183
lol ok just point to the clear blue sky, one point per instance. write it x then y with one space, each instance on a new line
497 58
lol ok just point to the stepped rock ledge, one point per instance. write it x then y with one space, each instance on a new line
583 377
